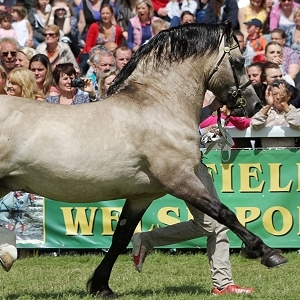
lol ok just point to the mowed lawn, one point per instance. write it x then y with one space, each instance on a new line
181 276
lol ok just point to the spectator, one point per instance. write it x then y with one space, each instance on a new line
22 26
290 61
6 29
89 13
176 7
255 10
105 81
3 78
277 112
57 52
217 11
111 46
100 33
294 34
102 61
254 72
187 17
125 13
63 76
254 38
21 83
281 15
40 66
122 55
62 15
24 55
139 27
159 25
160 10
8 51
37 17
273 53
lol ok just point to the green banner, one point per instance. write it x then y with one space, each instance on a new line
260 186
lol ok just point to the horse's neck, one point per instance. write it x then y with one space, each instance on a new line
181 85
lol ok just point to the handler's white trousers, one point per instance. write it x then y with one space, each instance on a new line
202 225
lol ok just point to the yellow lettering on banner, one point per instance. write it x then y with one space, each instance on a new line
247 214
81 221
298 187
110 214
275 179
246 175
268 223
164 217
299 219
227 178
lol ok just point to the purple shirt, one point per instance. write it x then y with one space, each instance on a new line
290 57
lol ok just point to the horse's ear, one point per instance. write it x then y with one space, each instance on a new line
228 30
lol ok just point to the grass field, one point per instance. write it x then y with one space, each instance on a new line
165 276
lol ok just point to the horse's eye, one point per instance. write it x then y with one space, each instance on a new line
239 62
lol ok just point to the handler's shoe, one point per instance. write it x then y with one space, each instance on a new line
8 255
232 289
139 252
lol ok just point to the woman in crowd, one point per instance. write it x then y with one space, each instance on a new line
3 77
281 15
63 76
106 79
294 38
21 83
24 55
89 13
57 52
126 11
139 27
40 66
176 7
255 10
37 17
218 11
62 15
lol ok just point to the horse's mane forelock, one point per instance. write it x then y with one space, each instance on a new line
173 45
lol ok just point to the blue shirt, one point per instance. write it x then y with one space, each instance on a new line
146 34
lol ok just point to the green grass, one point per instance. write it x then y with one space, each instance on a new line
165 276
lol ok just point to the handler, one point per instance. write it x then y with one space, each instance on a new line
201 225
8 250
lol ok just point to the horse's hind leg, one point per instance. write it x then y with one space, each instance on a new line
132 213
192 190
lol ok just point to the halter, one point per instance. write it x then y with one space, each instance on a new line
236 95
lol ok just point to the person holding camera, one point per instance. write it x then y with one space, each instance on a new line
69 89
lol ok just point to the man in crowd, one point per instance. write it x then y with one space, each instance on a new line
8 53
122 55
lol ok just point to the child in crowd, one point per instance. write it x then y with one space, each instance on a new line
6 29
254 39
22 26
158 25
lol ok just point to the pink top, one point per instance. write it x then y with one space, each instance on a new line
7 33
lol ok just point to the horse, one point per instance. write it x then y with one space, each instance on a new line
139 143
12 207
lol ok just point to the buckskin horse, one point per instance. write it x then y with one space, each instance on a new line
140 143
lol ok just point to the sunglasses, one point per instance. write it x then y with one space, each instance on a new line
50 34
286 0
6 53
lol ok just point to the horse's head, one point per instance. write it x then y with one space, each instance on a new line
229 80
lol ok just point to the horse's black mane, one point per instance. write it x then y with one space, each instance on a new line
173 45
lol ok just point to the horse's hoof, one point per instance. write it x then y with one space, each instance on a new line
106 295
274 259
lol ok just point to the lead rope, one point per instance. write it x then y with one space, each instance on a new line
224 141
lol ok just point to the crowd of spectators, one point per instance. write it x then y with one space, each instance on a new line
61 40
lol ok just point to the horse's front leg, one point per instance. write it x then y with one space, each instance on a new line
189 188
132 213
